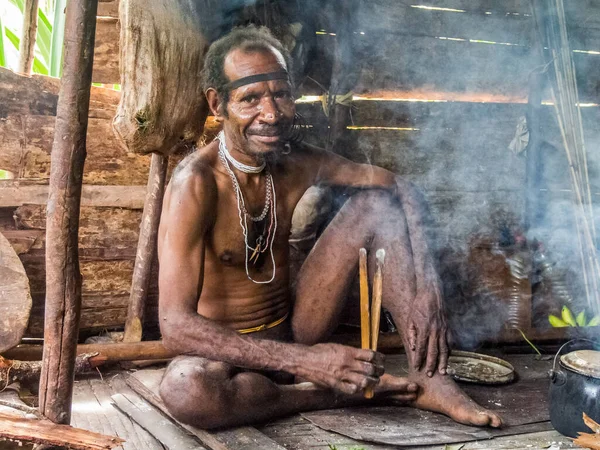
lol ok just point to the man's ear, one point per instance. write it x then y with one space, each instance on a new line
215 104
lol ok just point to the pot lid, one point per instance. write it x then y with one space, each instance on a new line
584 362
478 368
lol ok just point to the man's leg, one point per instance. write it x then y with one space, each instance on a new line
374 220
211 394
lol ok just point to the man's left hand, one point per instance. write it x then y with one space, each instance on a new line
427 333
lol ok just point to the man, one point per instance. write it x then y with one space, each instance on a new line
225 297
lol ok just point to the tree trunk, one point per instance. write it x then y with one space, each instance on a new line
63 279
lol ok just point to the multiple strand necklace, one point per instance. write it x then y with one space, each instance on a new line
263 243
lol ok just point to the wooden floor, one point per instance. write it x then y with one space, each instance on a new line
93 410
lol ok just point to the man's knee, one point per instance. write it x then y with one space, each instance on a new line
376 206
194 391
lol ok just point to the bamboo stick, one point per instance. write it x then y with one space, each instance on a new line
377 298
365 324
376 306
63 278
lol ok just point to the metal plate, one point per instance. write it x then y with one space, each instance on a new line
478 368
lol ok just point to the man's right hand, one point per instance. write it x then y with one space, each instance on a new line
345 369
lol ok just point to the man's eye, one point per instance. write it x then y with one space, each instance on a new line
250 99
283 94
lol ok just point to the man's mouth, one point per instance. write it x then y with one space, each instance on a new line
267 138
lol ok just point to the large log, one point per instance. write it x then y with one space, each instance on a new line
15 299
63 279
129 197
106 51
108 8
38 94
162 106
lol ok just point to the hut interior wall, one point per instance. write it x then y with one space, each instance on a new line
456 151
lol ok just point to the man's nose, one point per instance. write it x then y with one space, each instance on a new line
269 112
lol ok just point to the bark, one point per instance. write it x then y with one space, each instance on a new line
15 299
146 350
162 105
12 370
146 249
46 432
38 95
63 279
27 44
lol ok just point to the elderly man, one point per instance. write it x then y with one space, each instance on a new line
226 303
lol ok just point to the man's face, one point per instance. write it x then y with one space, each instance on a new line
260 115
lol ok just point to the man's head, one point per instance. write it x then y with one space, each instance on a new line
246 81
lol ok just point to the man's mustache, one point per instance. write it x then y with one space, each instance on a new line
270 131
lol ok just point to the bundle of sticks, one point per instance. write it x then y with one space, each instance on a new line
370 315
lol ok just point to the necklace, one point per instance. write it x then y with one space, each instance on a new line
261 244
234 162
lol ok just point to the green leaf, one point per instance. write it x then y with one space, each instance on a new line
58 36
19 4
2 55
12 37
44 35
39 67
581 319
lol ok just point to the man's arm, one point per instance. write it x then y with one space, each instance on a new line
425 327
186 219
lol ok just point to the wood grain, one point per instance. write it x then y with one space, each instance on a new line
46 432
15 298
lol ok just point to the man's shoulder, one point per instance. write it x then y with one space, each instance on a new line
194 172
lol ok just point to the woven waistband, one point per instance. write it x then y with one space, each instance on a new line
264 326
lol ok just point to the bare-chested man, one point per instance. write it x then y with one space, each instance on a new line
225 297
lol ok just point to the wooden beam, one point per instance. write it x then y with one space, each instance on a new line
146 249
38 94
63 279
27 43
46 432
130 197
109 352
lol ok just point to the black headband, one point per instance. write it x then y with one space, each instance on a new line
279 75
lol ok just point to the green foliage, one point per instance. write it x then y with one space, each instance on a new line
49 39
2 53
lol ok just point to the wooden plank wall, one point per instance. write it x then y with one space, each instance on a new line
456 151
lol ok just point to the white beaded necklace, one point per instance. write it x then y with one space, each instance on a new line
243 214
234 162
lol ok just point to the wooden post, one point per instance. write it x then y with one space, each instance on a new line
27 44
146 249
63 279
344 76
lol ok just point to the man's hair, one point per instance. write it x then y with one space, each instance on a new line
250 38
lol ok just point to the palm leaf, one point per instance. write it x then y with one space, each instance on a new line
2 55
44 35
19 4
58 35
38 64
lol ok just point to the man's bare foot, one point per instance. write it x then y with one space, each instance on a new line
441 394
399 388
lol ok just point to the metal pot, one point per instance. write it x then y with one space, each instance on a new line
575 389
